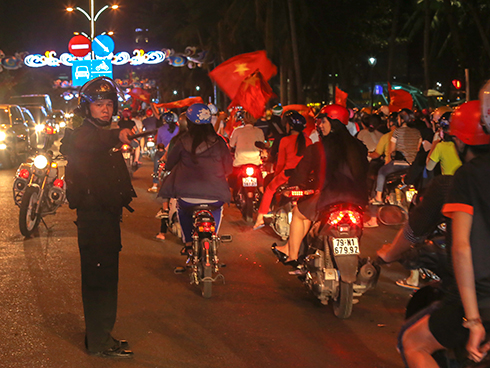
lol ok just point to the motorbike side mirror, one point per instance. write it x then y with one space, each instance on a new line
226 238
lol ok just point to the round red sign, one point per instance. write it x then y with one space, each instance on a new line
79 46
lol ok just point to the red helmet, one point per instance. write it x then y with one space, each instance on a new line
149 113
465 124
126 113
334 112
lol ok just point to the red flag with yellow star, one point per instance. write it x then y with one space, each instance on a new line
253 94
230 74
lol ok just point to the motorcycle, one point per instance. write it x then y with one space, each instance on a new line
150 146
282 210
128 155
332 268
38 191
203 258
397 197
247 193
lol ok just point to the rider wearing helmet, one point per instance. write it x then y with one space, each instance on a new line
242 143
443 149
291 150
98 187
126 122
276 129
199 163
405 144
168 128
339 164
463 318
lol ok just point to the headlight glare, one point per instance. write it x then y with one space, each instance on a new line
40 162
3 136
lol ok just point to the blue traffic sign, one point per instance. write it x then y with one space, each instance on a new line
102 45
84 70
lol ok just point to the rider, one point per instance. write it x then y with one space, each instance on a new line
464 315
242 141
406 140
199 163
339 162
443 149
291 150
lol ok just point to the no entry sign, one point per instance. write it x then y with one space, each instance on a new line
79 46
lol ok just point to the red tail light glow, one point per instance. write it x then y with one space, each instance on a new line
48 129
125 147
206 227
58 183
345 216
249 171
24 173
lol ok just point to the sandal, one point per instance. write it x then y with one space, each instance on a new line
186 251
404 284
375 202
159 237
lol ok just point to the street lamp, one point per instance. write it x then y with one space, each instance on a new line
92 19
372 62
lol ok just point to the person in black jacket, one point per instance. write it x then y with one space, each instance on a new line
199 163
338 163
98 187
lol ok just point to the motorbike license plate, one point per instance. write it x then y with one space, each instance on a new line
345 246
249 182
126 155
410 194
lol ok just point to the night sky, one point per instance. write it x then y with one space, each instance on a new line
36 26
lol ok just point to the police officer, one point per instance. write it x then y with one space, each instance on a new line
98 187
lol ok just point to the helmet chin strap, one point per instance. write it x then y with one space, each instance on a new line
99 123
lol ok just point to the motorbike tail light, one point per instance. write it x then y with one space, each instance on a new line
54 165
206 227
58 183
125 147
345 216
249 171
24 173
298 193
48 129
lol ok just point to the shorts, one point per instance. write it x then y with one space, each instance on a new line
445 324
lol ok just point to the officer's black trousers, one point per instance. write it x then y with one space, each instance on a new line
99 242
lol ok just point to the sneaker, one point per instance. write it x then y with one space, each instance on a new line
153 189
161 214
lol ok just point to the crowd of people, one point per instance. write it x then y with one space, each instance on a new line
348 154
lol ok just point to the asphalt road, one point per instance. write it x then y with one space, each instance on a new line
261 316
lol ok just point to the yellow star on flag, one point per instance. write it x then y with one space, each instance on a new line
241 69
250 81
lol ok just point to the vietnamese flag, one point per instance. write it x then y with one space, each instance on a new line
340 97
253 94
230 74
140 94
180 103
399 99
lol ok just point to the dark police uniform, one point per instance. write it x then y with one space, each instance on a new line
98 187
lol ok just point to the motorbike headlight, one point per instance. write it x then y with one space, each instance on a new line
40 162
3 136
39 128
62 124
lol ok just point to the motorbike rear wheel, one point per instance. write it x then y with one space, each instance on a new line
207 282
248 212
29 217
342 307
